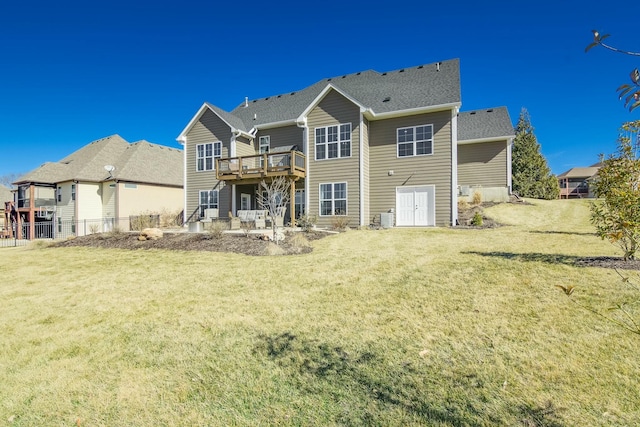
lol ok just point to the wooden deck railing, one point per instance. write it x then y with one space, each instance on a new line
260 166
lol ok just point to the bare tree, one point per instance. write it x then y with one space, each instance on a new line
273 197
7 179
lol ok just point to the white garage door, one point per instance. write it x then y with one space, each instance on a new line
415 206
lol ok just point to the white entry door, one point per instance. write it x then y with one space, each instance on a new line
415 206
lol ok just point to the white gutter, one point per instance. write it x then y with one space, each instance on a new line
371 115
489 139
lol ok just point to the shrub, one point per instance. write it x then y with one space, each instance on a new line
216 228
340 222
463 204
143 220
476 199
170 219
273 249
94 228
307 222
298 240
477 219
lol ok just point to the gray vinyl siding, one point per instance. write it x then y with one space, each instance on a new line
208 129
332 110
432 169
244 147
483 164
281 137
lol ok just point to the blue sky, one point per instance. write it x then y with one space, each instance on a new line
75 72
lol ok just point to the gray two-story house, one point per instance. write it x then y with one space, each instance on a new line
358 145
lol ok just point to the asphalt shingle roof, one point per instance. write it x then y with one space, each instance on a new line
417 87
487 123
137 162
584 172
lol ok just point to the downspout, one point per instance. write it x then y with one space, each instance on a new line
232 153
361 166
75 204
454 166
509 170
305 150
183 141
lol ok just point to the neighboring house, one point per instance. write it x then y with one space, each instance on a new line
6 199
100 186
574 183
359 145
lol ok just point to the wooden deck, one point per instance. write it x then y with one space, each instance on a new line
255 168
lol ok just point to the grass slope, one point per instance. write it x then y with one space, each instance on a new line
438 326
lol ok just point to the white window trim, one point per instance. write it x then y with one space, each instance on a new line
333 206
264 141
415 141
326 143
213 155
209 205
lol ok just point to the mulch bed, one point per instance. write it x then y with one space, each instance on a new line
235 243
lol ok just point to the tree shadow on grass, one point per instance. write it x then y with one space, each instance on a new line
571 260
404 387
531 257
546 415
569 233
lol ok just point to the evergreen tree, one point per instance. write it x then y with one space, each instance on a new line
531 175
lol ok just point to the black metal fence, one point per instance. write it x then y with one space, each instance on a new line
63 229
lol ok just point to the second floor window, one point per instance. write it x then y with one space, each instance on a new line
206 155
333 142
73 191
59 194
415 141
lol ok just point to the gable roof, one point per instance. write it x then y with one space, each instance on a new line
483 125
422 87
580 172
138 162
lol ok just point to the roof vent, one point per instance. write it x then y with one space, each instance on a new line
267 98
387 99
255 116
344 77
490 110
279 96
255 100
293 93
357 74
420 67
384 74
473 112
329 79
438 66
401 71
246 101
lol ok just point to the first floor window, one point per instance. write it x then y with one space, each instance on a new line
208 200
415 141
333 142
333 199
206 155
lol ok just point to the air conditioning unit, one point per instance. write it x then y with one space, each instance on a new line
386 219
464 190
211 213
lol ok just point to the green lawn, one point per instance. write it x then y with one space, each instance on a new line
393 327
